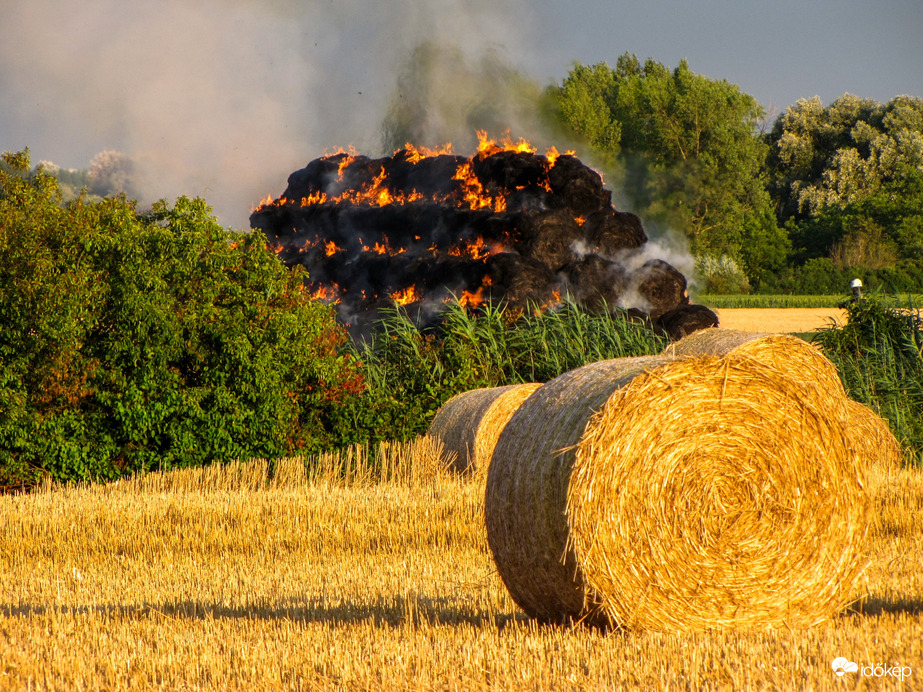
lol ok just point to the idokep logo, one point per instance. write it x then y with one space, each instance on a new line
842 666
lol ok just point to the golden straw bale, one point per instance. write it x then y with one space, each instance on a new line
872 437
678 494
790 353
469 423
869 433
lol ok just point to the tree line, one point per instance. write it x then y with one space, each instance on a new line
824 194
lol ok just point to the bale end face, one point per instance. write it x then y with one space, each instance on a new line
678 494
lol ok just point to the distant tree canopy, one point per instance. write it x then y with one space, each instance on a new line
848 151
847 181
829 193
685 152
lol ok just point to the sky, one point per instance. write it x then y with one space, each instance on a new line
225 98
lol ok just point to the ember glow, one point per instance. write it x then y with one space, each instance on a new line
423 225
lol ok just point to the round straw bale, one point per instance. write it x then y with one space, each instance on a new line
470 423
676 494
869 433
872 437
786 352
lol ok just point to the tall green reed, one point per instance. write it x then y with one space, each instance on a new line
879 355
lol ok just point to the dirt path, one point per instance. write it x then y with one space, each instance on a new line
779 319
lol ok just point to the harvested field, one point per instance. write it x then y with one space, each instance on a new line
370 585
788 320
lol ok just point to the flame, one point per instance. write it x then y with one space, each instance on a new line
473 192
314 198
489 147
328 293
552 153
471 300
331 248
476 249
580 220
406 295
416 154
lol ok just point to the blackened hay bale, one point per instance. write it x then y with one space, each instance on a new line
469 423
678 494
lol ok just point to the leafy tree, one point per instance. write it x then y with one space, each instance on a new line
135 341
688 154
834 156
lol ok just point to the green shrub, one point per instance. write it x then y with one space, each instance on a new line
721 275
134 341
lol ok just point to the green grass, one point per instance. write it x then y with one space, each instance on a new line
768 301
879 355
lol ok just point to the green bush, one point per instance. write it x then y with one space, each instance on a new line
721 275
134 341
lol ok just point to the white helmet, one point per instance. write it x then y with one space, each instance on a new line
856 283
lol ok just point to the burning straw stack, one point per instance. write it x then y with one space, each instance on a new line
685 491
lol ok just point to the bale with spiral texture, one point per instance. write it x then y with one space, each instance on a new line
868 433
469 423
677 494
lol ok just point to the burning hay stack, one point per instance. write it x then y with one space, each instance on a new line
420 227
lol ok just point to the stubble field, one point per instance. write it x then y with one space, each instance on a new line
789 320
376 579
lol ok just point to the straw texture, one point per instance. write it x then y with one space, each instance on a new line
869 434
786 352
469 423
872 438
678 494
527 484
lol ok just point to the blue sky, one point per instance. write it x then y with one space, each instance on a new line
776 50
225 98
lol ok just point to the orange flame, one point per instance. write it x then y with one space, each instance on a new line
473 192
552 153
406 295
489 147
416 154
314 198
471 300
328 293
331 248
473 195
476 249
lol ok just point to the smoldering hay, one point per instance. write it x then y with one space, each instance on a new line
505 225
679 493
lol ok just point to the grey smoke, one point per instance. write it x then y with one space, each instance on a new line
222 99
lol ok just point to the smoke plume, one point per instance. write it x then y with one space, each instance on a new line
221 99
